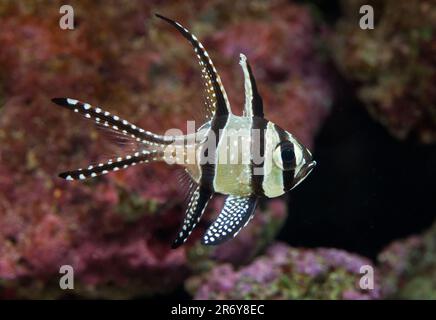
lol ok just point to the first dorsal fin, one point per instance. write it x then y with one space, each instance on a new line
253 100
216 97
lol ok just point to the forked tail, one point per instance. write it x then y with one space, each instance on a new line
153 144
113 165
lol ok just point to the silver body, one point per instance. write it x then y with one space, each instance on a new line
233 175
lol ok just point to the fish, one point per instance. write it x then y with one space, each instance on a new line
245 158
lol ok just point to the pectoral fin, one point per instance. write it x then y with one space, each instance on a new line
235 215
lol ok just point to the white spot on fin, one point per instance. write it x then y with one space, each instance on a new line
72 101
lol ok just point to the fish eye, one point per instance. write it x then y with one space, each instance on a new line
284 156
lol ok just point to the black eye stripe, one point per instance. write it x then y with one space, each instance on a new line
287 174
287 154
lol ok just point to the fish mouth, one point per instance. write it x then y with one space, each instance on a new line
307 168
304 172
310 166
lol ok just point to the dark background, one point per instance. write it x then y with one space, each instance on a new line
368 188
366 183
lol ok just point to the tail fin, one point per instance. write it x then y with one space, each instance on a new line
114 122
113 165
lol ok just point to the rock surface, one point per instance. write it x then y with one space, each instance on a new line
116 230
288 273
393 65
409 267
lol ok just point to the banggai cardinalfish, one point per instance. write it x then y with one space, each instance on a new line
244 157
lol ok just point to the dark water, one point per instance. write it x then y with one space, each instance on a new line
368 188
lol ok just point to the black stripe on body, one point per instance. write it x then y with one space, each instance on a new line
113 122
288 174
221 107
207 168
258 150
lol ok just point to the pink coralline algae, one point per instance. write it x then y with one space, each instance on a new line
116 230
409 267
394 65
289 273
249 242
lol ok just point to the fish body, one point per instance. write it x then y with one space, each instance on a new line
233 174
244 157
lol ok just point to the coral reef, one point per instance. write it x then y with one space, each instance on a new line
409 267
394 65
405 269
116 230
288 273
